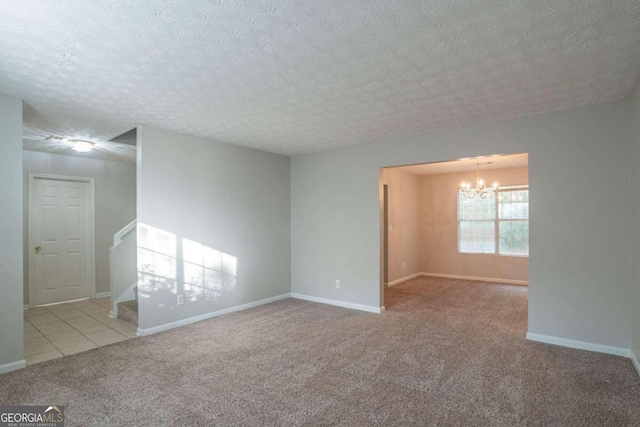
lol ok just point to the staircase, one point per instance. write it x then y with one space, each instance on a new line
124 275
128 310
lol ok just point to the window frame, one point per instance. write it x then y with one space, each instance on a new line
496 220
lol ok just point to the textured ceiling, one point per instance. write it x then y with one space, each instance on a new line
293 77
464 165
103 150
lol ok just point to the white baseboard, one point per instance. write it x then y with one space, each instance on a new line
25 307
13 366
403 279
368 308
183 322
581 345
103 294
480 279
634 360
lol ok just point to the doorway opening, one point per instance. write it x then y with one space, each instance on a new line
465 219
80 215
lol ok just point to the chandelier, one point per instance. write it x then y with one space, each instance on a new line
480 188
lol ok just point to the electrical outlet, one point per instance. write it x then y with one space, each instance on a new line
337 283
180 299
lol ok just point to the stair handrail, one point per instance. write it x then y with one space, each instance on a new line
117 238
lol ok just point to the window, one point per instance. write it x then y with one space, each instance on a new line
499 225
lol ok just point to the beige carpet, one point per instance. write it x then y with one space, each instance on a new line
446 352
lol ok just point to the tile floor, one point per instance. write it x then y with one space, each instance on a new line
69 328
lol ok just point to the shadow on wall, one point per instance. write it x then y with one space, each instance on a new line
169 266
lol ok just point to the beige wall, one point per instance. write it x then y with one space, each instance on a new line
438 228
403 240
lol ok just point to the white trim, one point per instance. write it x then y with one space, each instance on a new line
103 295
581 345
25 307
403 279
92 230
183 322
63 302
368 308
13 366
634 360
127 295
480 279
117 238
496 220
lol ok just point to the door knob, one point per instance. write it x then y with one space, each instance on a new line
38 249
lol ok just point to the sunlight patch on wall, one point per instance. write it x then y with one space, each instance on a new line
157 266
169 266
208 273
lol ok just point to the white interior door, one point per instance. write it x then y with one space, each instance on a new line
61 239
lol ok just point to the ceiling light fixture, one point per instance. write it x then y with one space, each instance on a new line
82 145
480 188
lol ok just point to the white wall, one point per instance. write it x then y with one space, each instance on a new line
195 192
123 269
11 335
403 228
579 272
438 228
115 199
635 216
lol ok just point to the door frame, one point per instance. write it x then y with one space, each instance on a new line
91 252
383 190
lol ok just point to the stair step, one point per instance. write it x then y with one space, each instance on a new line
128 311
